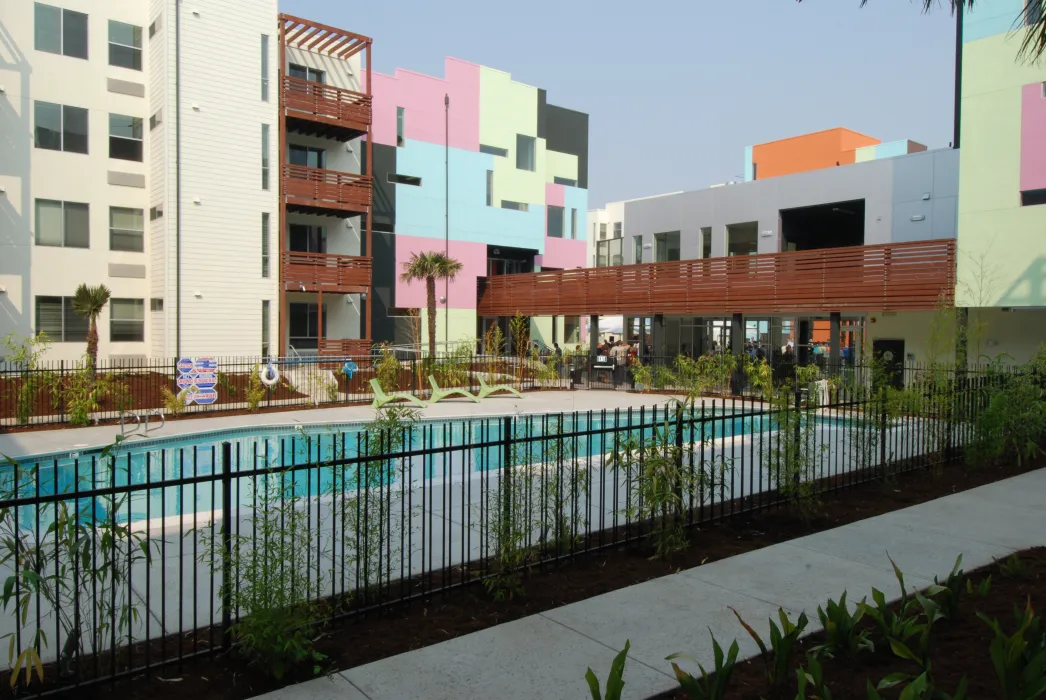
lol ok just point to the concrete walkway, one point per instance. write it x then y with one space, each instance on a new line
545 656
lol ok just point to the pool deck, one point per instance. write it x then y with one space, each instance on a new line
545 655
67 439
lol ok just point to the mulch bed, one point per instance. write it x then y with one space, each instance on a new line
958 647
461 611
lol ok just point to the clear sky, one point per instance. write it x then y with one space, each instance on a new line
676 89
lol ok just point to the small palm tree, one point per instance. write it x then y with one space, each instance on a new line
430 266
88 302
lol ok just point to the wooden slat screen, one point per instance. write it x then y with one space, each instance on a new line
326 188
345 347
331 273
327 103
889 277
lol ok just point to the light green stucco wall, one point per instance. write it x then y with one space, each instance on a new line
507 108
1002 245
560 165
462 326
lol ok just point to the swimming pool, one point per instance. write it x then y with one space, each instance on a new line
174 476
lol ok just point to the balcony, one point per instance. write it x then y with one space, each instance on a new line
325 111
348 347
320 272
890 277
318 191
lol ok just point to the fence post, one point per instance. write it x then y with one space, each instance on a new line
797 441
227 578
61 392
506 469
882 429
678 461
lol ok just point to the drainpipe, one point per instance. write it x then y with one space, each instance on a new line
957 116
178 177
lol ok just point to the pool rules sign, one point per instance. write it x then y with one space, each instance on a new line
196 380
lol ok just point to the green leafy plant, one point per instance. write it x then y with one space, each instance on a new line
255 391
707 687
948 593
615 681
270 588
226 383
662 377
981 589
173 404
88 303
643 375
387 369
1013 424
760 376
778 658
1013 567
792 455
1019 659
519 327
843 633
919 687
811 681
900 625
26 353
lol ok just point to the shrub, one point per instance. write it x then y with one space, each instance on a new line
615 681
1019 659
708 687
26 353
792 455
173 403
812 678
900 625
255 390
1013 424
387 369
843 634
948 593
778 658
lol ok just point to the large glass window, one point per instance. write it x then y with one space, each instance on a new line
525 152
125 137
265 245
706 242
60 127
400 118
126 229
554 221
637 249
60 31
127 320
265 156
308 239
56 318
573 224
308 156
490 188
125 45
493 150
305 325
316 76
666 246
265 67
62 224
608 253
618 229
602 232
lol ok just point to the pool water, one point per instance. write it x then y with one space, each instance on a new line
448 450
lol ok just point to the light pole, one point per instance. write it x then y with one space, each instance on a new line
446 215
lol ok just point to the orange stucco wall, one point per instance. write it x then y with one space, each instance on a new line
798 154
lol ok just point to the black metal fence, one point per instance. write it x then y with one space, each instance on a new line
123 561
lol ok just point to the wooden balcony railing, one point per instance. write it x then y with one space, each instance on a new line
340 274
354 347
326 103
326 189
890 277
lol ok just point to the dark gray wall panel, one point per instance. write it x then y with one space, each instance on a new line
566 131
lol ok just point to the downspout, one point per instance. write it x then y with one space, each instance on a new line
178 177
960 10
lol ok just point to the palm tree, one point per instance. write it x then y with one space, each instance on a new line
1032 18
88 302
430 266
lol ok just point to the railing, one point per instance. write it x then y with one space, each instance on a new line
889 277
326 103
331 189
343 347
363 519
334 273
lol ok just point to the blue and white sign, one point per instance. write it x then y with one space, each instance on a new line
196 380
349 368
184 381
205 396
206 381
206 365
185 365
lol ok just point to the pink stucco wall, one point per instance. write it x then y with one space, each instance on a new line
1033 138
421 97
473 257
562 254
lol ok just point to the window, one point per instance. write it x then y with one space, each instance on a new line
125 137
493 150
609 253
62 224
127 320
564 181
60 127
56 318
666 246
395 179
490 188
156 213
755 171
308 156
156 120
60 31
602 232
518 206
399 126
154 27
1031 198
617 229
316 76
706 242
125 45
308 239
304 325
126 229
265 67
525 157
265 156
637 249
265 328
156 304
573 224
554 221
265 245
